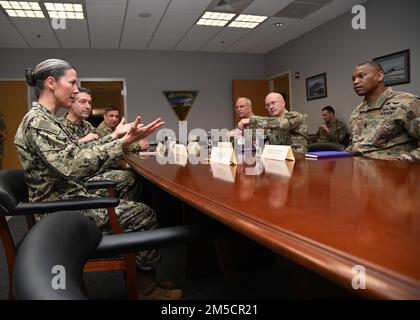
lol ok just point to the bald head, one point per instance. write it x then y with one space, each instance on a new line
275 104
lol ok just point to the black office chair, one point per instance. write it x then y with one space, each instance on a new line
325 146
66 241
14 202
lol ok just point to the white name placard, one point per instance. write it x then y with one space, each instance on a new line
276 152
181 159
193 148
223 155
181 150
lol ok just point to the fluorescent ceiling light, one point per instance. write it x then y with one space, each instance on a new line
218 19
22 9
247 21
250 18
64 10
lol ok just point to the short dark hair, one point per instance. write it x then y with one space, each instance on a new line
374 64
84 90
111 108
329 109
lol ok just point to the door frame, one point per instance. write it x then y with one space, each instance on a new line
124 82
270 85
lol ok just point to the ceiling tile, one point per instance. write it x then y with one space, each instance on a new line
105 12
38 32
197 5
75 34
105 41
148 3
104 27
164 41
265 7
9 37
224 39
117 3
197 37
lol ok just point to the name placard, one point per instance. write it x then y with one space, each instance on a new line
180 150
223 155
181 159
276 152
193 148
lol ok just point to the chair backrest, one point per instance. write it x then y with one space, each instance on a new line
325 146
58 246
13 189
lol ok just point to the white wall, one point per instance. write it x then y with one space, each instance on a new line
335 48
147 73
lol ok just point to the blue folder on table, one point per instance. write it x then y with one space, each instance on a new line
327 154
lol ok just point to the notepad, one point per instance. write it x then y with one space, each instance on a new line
327 154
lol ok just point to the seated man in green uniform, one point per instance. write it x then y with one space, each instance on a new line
110 122
82 132
282 127
386 125
332 130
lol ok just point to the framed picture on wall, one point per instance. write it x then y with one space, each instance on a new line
316 87
396 67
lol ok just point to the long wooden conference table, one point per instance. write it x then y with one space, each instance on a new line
355 221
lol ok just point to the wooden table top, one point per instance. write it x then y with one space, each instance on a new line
328 215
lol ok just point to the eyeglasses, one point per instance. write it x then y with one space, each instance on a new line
271 103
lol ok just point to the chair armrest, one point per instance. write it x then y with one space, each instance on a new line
100 184
72 204
155 239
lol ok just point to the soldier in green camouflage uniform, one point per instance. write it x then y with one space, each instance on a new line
282 127
55 166
3 135
332 130
108 125
387 124
127 181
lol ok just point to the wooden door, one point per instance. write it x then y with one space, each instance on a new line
256 90
13 106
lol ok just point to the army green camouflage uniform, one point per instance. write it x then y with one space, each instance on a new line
55 167
127 181
2 130
337 133
388 128
103 130
291 129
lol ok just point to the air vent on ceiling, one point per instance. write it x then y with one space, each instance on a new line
301 9
236 6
